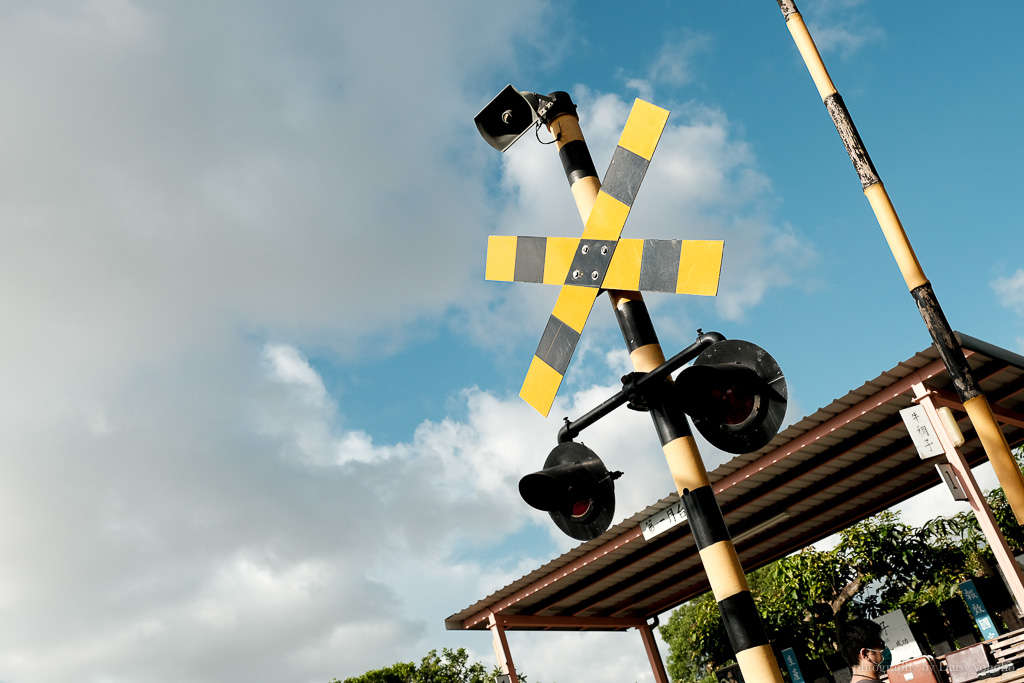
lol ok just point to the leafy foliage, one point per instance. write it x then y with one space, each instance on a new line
450 667
697 641
878 565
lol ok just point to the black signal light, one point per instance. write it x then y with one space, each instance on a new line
575 488
735 394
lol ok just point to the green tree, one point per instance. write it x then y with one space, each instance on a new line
697 640
400 672
878 565
964 528
451 667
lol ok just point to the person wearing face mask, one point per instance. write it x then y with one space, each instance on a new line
862 646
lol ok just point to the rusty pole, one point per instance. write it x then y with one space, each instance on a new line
978 409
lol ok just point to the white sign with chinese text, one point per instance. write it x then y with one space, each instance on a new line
924 434
671 516
898 638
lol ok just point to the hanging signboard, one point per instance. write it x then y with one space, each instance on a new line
789 657
978 610
659 522
922 432
897 636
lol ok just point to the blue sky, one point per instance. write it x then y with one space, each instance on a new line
259 407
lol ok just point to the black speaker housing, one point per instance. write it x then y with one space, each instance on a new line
505 118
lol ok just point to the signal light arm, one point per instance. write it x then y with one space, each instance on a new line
637 386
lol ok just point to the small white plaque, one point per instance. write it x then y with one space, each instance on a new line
924 434
663 521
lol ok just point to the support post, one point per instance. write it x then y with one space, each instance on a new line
986 520
501 650
978 409
721 563
653 656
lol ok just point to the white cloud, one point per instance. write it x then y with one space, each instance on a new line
844 39
839 26
305 417
1011 291
238 170
232 551
704 183
185 501
552 656
674 65
289 367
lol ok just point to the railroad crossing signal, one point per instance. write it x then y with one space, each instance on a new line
735 394
574 486
599 260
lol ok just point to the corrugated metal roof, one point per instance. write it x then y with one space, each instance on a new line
829 470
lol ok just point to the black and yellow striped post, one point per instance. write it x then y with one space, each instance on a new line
718 555
976 405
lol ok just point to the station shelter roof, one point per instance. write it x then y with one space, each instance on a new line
834 468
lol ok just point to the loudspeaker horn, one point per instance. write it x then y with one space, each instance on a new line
505 118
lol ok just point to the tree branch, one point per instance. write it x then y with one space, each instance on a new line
847 593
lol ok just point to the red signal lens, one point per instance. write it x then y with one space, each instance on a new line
581 507
734 404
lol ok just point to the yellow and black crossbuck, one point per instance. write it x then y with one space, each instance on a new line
599 260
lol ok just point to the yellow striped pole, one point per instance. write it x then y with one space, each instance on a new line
978 409
725 574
